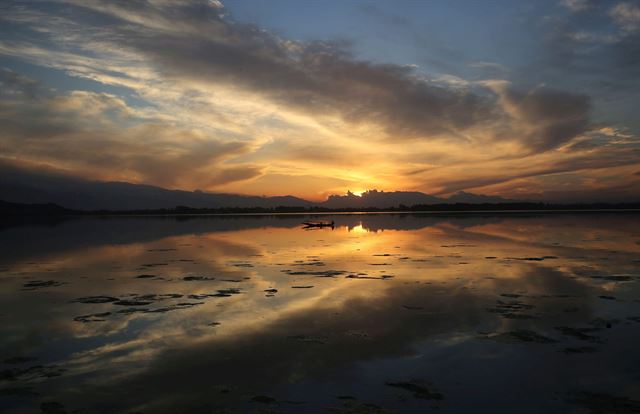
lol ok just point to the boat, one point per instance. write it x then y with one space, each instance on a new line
319 224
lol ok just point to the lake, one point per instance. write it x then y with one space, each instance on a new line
404 313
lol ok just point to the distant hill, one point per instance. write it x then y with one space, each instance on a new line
470 198
21 186
380 199
7 208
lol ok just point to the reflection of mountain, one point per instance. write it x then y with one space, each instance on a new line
26 236
21 186
48 235
344 337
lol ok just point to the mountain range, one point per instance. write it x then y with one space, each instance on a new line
22 186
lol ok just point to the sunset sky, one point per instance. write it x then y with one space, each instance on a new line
523 99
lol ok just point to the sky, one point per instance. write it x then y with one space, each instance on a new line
528 100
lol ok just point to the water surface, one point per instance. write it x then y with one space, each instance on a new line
382 314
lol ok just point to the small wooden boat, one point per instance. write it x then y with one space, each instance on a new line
320 224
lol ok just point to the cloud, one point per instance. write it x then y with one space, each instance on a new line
14 86
98 135
323 79
544 118
576 5
193 42
627 16
196 99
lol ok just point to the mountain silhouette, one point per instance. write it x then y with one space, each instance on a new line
470 198
380 199
19 185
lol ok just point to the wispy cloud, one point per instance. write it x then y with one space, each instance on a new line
217 104
627 16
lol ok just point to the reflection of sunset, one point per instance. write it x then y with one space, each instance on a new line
260 258
209 286
358 229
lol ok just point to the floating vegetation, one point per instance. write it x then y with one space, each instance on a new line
241 264
418 389
511 310
365 276
146 276
177 306
601 403
228 292
309 339
197 278
94 317
132 302
580 350
533 259
521 336
582 334
39 284
95 299
263 399
154 264
614 278
325 273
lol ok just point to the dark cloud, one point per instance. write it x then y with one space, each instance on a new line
15 86
323 78
582 50
603 160
194 41
313 77
551 117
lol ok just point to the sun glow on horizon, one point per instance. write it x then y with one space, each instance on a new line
220 103
358 229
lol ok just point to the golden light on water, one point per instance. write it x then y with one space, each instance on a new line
196 294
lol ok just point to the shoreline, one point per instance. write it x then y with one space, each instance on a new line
326 213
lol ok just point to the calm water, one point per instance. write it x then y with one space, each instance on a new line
384 313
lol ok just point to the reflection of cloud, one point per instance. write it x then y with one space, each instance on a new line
297 334
333 339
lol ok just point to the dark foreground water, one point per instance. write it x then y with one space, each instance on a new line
383 314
